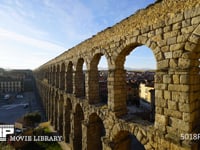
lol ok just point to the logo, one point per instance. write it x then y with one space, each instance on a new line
7 133
6 130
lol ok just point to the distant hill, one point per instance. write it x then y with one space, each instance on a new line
131 69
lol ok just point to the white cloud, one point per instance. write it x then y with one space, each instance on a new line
19 51
5 34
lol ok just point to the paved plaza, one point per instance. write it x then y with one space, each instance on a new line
11 110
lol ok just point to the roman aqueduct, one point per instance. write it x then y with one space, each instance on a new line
171 29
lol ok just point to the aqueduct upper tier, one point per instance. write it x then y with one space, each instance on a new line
171 28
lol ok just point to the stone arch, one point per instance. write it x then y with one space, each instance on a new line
60 112
67 127
80 79
126 141
95 131
78 118
118 76
69 78
62 77
126 49
93 80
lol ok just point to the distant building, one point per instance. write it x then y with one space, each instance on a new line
8 84
15 80
145 91
132 93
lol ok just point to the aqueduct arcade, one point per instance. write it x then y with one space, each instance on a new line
71 96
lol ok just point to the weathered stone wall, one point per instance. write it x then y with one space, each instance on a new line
171 29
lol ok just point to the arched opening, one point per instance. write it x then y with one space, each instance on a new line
80 79
60 109
95 131
57 76
135 69
78 117
69 78
140 68
68 109
103 79
62 77
98 74
124 140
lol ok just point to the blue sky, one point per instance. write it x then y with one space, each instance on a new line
34 31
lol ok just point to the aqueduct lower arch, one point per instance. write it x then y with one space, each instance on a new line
172 30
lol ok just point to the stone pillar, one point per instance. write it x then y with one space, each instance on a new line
93 86
117 91
65 83
161 96
177 107
87 84
73 83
